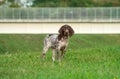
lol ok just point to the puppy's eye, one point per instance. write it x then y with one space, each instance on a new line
68 28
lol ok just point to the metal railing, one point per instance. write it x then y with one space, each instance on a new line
101 14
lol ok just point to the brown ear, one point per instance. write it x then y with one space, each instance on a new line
61 29
71 31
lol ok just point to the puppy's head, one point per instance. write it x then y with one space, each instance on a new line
66 30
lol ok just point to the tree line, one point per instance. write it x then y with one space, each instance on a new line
76 3
65 3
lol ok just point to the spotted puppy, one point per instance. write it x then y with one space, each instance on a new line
58 42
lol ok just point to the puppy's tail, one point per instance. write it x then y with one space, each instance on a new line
49 35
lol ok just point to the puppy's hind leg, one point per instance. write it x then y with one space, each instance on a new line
46 46
44 51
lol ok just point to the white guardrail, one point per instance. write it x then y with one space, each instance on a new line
45 28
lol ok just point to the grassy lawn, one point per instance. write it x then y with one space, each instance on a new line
87 57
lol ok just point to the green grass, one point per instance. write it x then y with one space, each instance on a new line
87 57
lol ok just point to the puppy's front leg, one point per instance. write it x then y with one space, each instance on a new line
53 55
58 55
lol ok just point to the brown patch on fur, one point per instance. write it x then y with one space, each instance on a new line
60 37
